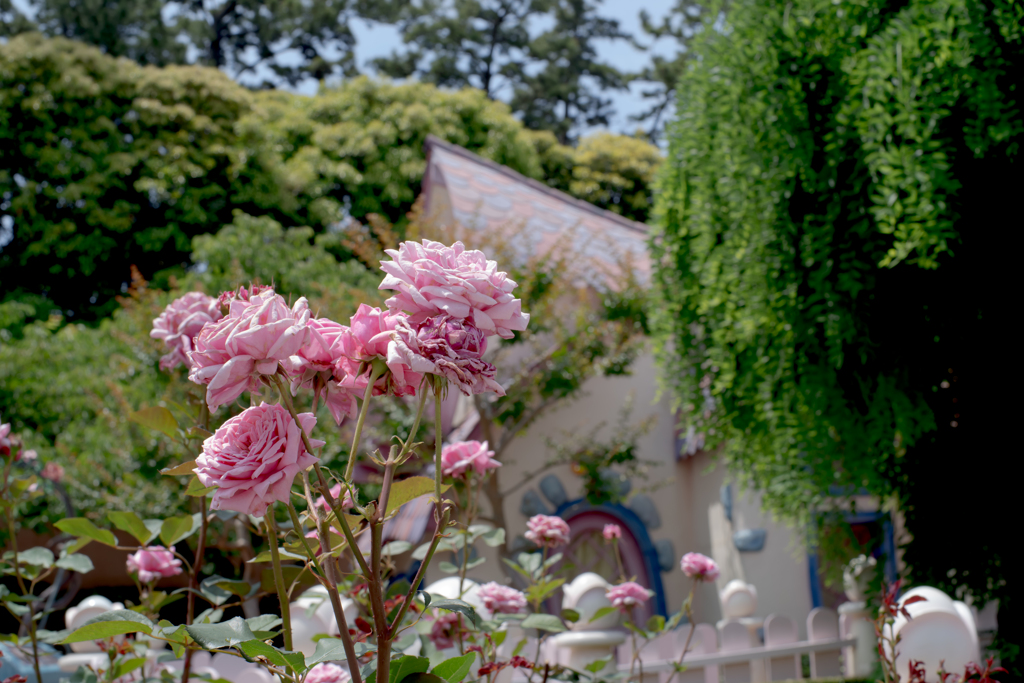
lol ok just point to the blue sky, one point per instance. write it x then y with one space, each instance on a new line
377 40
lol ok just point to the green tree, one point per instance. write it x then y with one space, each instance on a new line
565 92
105 164
458 43
834 293
259 43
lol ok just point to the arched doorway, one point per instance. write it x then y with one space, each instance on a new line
589 552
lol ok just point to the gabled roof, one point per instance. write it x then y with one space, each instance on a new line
464 188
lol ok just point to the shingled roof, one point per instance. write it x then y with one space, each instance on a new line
462 188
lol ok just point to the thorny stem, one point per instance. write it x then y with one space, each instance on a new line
330 581
21 585
186 669
416 424
363 409
689 635
438 534
438 442
282 595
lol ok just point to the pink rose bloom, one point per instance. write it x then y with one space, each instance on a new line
252 340
243 293
502 599
545 530
336 493
5 443
444 630
625 595
313 367
327 673
448 348
180 323
611 531
153 562
431 279
700 567
463 456
369 335
53 472
253 458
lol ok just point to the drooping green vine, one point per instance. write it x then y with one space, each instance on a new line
821 202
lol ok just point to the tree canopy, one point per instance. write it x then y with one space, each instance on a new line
832 269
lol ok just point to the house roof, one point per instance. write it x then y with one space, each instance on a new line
462 187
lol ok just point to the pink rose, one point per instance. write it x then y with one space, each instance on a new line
243 293
153 562
369 335
700 567
28 455
448 348
431 279
346 503
444 630
254 457
5 442
625 595
502 599
545 530
180 322
313 367
252 340
327 673
612 531
463 456
53 472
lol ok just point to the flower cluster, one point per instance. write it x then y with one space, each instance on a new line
325 672
153 562
699 567
501 599
460 458
627 594
253 458
180 323
547 531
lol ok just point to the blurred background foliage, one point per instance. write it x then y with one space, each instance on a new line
835 286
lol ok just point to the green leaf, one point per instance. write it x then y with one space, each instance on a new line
266 556
157 418
405 666
109 624
543 622
37 557
494 537
447 567
291 573
455 669
212 592
570 615
239 588
327 650
180 470
219 636
252 649
459 606
196 488
51 637
264 622
126 666
473 564
130 523
598 664
80 527
604 611
519 647
499 637
76 562
176 529
407 489
421 552
656 624
396 547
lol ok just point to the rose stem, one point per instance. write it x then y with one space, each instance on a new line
282 596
